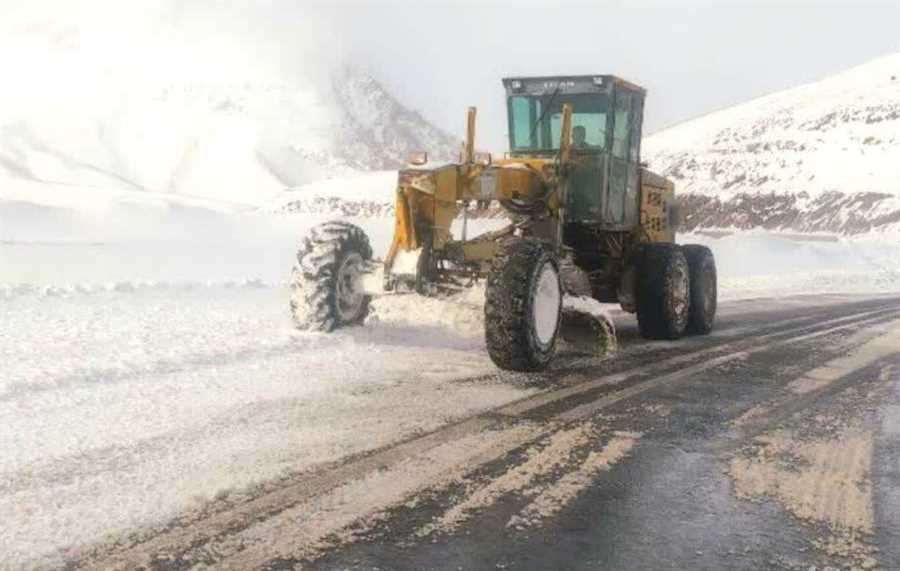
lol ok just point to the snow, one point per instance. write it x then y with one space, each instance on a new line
376 186
231 104
837 134
121 408
819 157
150 362
155 181
406 262
757 264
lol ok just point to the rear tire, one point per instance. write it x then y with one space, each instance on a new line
324 292
704 289
663 291
523 305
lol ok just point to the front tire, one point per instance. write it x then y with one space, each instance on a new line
663 291
523 304
704 289
324 286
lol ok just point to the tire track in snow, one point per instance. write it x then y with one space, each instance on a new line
313 506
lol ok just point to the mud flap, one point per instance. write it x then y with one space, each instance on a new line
586 328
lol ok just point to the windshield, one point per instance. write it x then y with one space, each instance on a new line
536 120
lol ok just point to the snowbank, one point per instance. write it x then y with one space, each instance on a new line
756 264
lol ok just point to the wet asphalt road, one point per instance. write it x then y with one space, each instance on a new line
772 444
671 504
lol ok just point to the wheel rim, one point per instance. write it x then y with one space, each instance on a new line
349 296
545 306
680 291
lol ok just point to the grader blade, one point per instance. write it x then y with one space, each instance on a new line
585 328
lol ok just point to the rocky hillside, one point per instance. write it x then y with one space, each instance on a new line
377 132
820 157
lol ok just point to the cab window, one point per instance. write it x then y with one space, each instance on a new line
593 127
524 111
536 120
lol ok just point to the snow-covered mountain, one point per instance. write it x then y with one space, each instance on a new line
238 142
820 157
231 103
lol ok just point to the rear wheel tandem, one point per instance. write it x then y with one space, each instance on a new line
702 267
523 304
325 292
663 291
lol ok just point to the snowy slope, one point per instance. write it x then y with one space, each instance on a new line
223 113
820 157
235 142
369 195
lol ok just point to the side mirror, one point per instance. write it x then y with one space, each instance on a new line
417 158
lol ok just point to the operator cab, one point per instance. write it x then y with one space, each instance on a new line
607 115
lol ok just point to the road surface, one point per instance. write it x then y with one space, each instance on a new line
772 444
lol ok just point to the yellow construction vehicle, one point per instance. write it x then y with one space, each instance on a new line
586 219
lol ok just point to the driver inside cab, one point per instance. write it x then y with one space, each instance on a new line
579 137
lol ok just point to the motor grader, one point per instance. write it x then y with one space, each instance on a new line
586 219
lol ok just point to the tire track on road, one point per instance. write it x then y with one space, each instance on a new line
738 350
833 377
220 522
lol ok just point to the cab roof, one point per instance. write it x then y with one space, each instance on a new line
573 83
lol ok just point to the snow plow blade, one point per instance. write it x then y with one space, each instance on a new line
587 329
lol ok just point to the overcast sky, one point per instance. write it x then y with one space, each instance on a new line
438 57
693 56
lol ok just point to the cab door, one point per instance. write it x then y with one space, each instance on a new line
589 174
621 207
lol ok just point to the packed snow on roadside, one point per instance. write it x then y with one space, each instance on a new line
757 264
150 362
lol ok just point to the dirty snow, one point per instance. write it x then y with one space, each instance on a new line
540 461
315 521
555 496
825 482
